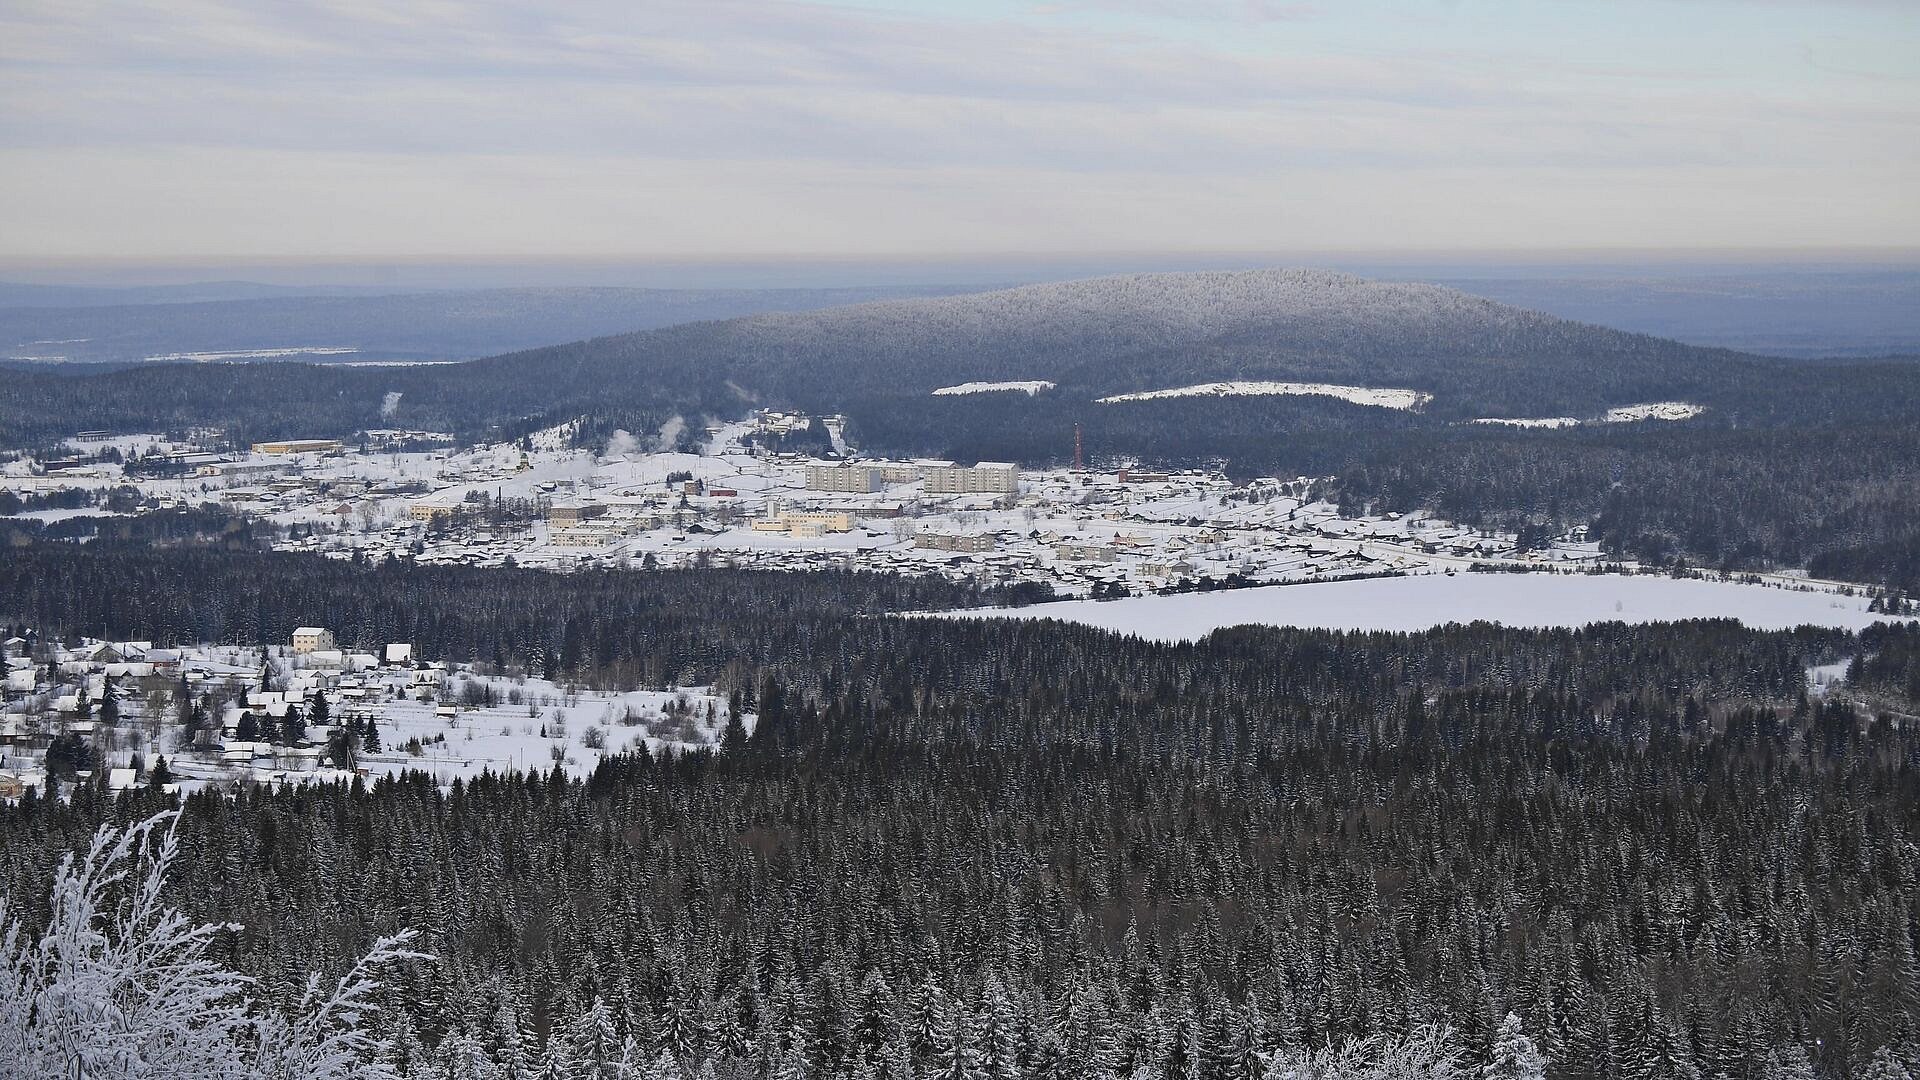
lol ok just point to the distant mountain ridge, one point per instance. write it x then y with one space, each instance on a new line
235 318
1139 332
1095 337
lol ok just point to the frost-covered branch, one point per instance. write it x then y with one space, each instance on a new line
121 985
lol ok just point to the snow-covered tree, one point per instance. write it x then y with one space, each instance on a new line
594 1043
1790 1062
1885 1066
1514 1056
1426 1053
121 985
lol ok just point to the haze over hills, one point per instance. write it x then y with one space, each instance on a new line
240 321
1797 309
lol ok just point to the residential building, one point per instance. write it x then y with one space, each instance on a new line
968 542
855 478
308 639
946 478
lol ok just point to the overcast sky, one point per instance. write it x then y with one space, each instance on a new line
662 128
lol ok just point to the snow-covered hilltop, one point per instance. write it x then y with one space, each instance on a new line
1380 397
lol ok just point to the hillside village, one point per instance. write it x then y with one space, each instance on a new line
125 713
745 500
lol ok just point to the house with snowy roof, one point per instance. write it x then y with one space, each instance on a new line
308 639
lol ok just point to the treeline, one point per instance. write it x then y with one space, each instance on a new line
622 628
619 627
955 849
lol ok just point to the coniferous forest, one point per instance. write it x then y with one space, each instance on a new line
970 849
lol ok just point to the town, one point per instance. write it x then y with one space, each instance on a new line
126 713
740 500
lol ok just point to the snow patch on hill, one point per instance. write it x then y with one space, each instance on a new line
1530 421
1654 410
557 437
1625 414
1026 386
1381 397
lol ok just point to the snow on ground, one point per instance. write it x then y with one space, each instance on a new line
1382 397
1421 602
1822 677
1029 386
525 737
49 517
127 445
557 437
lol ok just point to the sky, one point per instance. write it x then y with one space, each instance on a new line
202 129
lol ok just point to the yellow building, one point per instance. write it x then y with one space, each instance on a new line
297 446
825 520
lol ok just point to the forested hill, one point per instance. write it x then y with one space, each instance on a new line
1094 337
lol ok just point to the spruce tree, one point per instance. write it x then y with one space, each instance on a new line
1514 1056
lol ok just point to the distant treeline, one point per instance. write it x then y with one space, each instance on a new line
622 627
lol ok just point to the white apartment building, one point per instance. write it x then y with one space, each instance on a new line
987 477
855 478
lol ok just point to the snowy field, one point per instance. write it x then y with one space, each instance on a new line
553 727
1381 397
1423 602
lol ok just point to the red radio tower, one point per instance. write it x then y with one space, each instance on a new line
1079 451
